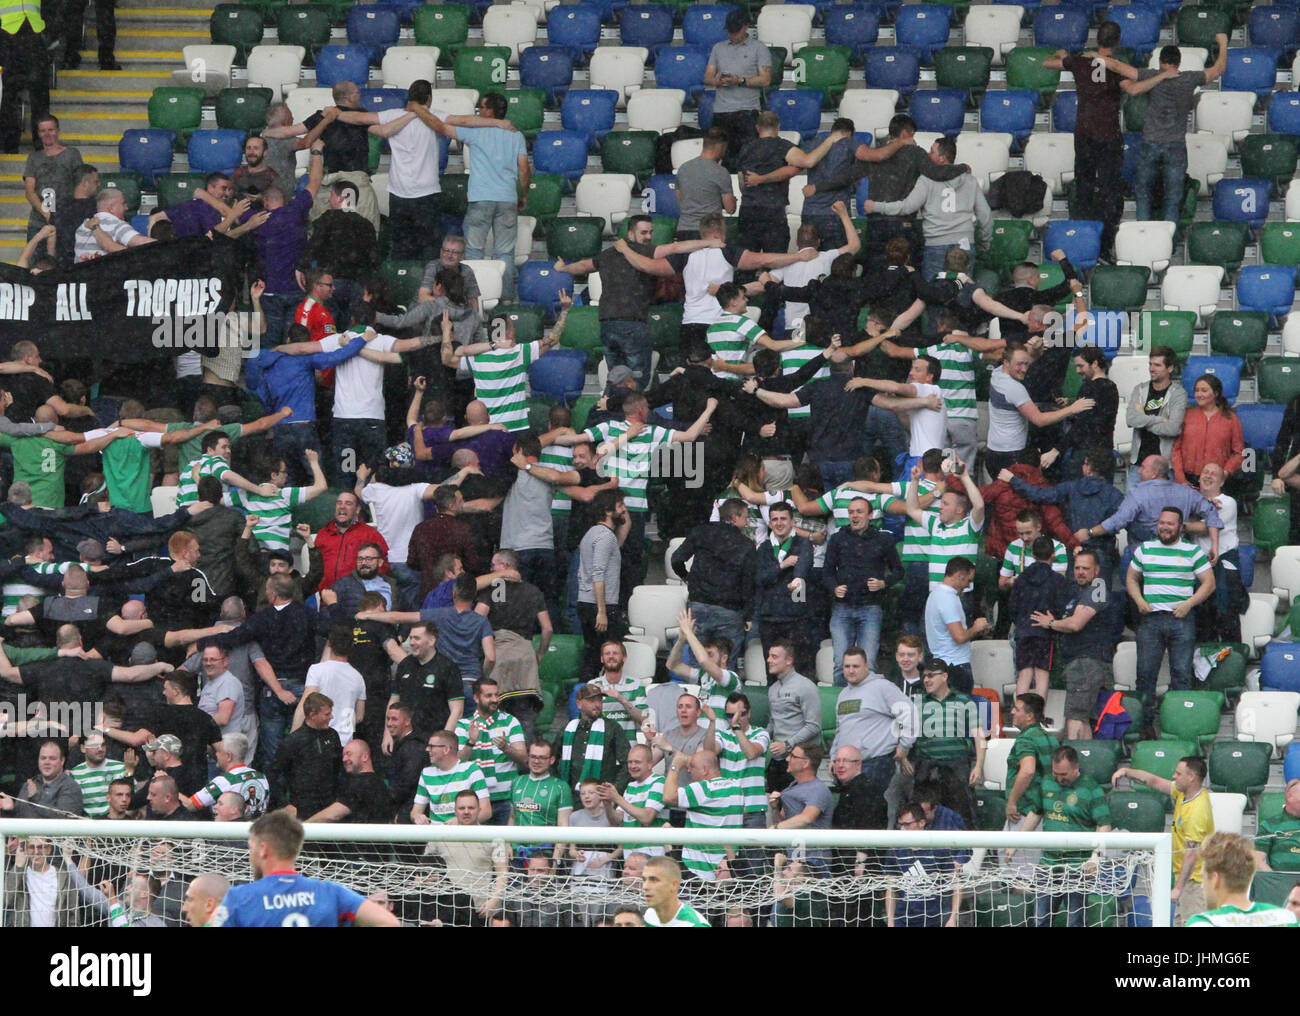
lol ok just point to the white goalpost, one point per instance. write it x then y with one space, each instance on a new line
462 875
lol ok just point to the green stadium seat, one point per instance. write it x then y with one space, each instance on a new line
267 8
483 68
443 25
174 188
1271 804
582 331
539 413
545 192
662 228
574 237
1172 328
830 697
1133 706
1135 812
530 321
760 708
1190 716
128 183
562 662
1279 379
1279 243
1160 758
990 809
318 512
1242 333
403 277
1097 759
455 194
1229 675
243 109
778 68
1119 287
666 333
1217 243
1198 25
525 108
178 109
236 25
1025 71
823 69
1239 767
546 715
963 67
305 25
986 576
1270 157
582 409
1134 112
1272 521
629 152
1008 245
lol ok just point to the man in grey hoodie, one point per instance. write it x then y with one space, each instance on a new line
950 211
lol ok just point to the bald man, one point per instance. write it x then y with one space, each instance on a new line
204 896
363 796
711 801
230 807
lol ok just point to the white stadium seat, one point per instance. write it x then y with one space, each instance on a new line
1207 160
1285 573
1194 58
755 664
539 8
525 226
652 614
303 102
489 275
1127 372
1125 667
1291 336
995 762
1192 287
403 65
640 662
1227 810
826 666
594 288
1293 204
794 200
685 151
1225 114
163 500
670 576
208 67
996 26
870 109
1267 716
1146 243
991 663
456 101
1259 621
618 68
787 25
510 26
1051 156
379 184
606 195
987 154
655 109
276 67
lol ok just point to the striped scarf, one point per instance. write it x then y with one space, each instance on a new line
592 757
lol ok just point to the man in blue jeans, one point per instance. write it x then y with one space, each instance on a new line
861 564
1169 576
1172 94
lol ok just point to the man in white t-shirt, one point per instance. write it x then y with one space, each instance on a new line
338 681
111 231
927 425
413 185
803 272
1218 618
1011 411
398 510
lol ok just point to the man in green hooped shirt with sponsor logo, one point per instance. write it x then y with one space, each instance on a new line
1229 864
536 797
1031 755
664 909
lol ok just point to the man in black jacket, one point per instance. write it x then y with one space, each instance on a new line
309 767
342 242
859 804
720 580
286 631
404 757
861 564
783 564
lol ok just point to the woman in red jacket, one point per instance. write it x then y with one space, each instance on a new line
1211 433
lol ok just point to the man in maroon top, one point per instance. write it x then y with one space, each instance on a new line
1098 140
339 542
443 534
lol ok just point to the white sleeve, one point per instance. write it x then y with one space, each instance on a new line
150 439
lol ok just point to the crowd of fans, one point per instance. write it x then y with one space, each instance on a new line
380 663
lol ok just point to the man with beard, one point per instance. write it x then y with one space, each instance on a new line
254 176
343 598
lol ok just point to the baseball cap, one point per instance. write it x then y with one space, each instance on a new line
167 742
590 691
736 20
619 375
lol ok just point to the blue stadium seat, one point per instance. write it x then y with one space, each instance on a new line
1284 112
705 24
799 109
444 152
218 150
406 9
147 151
1132 148
559 375
140 223
1246 553
1251 69
342 63
1291 763
896 67
660 196
540 284
1139 27
1270 288
1079 238
1061 28
862 195
859 138
1065 111
939 109
477 7
854 25
925 26
549 68
375 100
648 25
704 108
1226 368
589 112
1260 422
1242 200
1106 330
575 27
1030 6
681 67
607 8
1276 671
1274 27
560 152
374 27
1009 112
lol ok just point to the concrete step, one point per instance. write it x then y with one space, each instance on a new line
147 40
139 59
67 101
144 79
100 123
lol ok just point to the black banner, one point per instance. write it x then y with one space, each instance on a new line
147 303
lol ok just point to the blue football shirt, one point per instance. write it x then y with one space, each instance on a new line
285 899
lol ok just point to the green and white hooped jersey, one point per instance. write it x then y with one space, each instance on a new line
957 379
559 458
1258 915
630 465
718 803
438 788
1019 557
498 768
187 488
274 514
961 539
730 338
15 591
1169 573
791 361
752 773
501 382
647 793
686 917
916 535
94 785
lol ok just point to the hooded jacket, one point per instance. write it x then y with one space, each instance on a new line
1037 588
950 210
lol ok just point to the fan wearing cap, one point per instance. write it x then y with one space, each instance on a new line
739 69
163 754
592 747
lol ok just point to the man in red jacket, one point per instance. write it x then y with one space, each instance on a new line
339 541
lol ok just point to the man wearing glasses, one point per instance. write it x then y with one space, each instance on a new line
806 803
312 313
916 898
450 256
343 598
443 779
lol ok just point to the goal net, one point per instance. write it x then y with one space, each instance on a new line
473 876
